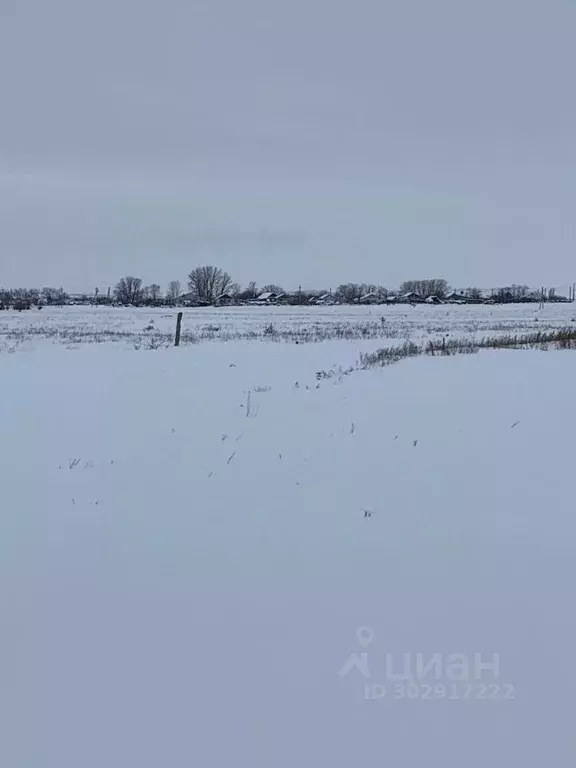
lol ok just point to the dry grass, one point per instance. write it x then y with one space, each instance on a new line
564 338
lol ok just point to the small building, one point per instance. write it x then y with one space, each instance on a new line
369 298
186 299
191 300
267 296
225 300
325 300
411 298
433 300
457 298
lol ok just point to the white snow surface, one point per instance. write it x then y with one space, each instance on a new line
392 324
184 567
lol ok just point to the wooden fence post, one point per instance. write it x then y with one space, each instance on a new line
178 329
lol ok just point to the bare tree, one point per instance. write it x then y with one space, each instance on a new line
382 291
129 290
272 288
30 295
234 290
520 292
426 288
349 292
439 287
512 293
208 282
504 295
154 292
174 290
410 286
6 297
53 296
366 288
250 292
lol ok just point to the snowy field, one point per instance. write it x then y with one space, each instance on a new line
197 545
153 327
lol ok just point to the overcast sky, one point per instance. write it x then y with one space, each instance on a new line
302 141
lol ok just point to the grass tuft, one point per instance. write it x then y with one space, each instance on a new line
563 338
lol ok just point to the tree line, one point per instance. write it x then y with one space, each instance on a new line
205 284
209 284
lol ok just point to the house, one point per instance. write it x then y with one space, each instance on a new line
267 296
457 298
325 299
224 300
433 300
411 298
369 298
191 300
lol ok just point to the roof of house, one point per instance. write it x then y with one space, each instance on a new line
266 295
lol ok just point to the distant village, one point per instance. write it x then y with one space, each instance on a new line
210 286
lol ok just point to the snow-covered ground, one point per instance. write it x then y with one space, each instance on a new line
197 545
129 326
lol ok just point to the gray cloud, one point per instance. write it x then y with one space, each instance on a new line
316 141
